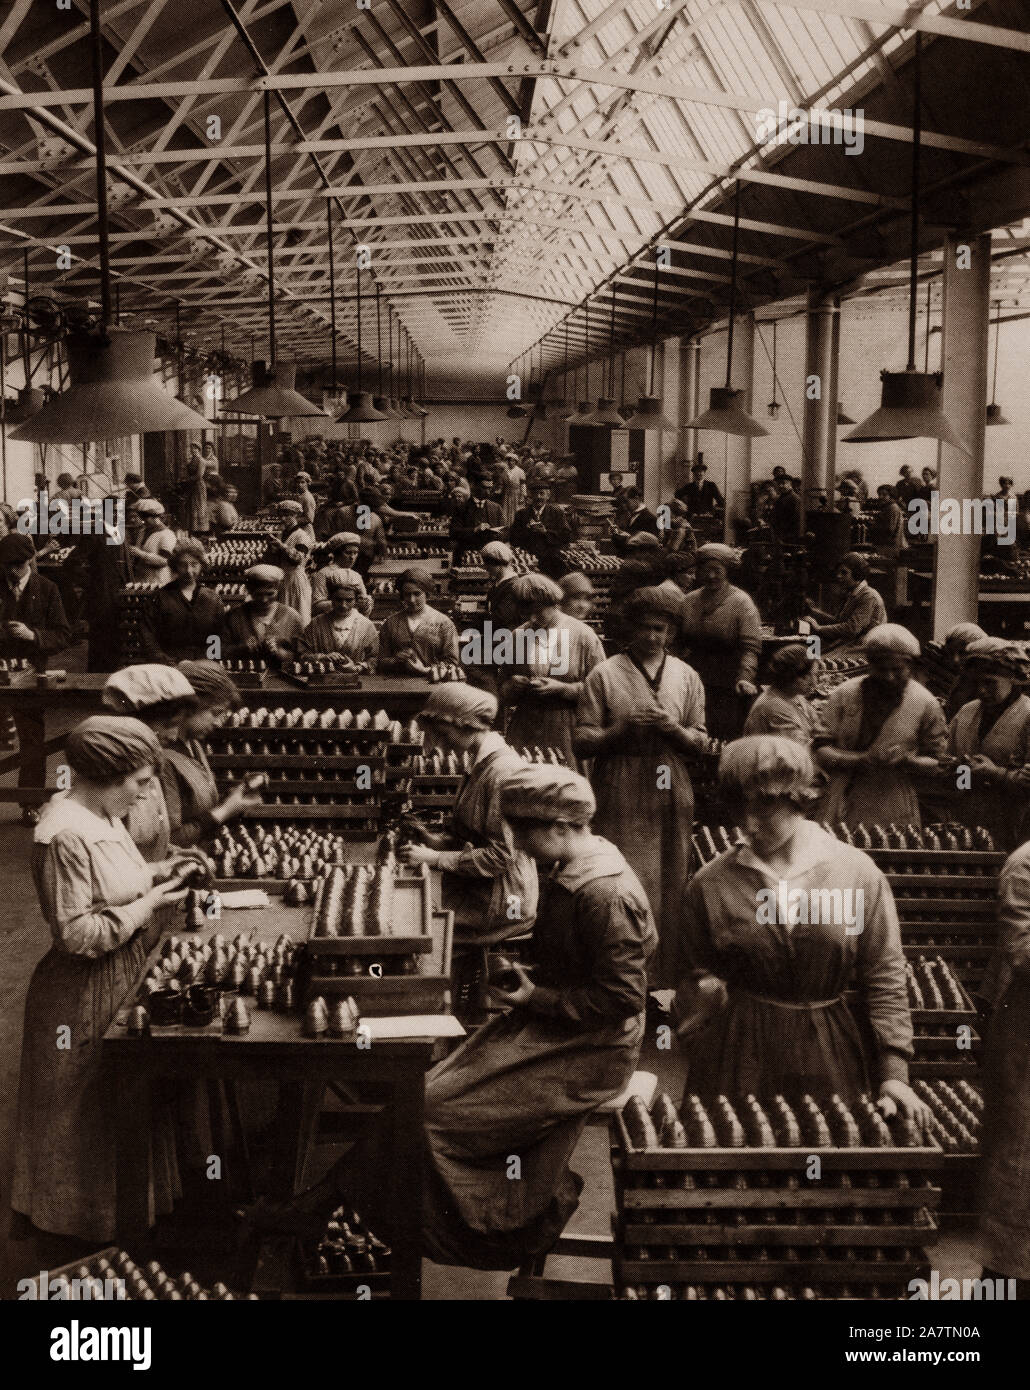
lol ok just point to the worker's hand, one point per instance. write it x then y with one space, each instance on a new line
511 998
746 688
521 682
418 668
898 1096
239 799
418 854
984 766
165 895
19 630
545 685
887 757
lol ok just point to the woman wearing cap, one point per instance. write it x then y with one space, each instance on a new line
157 544
418 637
502 606
185 615
262 627
526 1082
679 536
875 731
195 810
640 713
861 610
158 696
222 511
343 548
761 979
308 505
195 513
962 687
784 708
343 629
577 595
722 637
560 652
99 898
491 887
990 736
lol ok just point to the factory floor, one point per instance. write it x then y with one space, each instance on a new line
24 939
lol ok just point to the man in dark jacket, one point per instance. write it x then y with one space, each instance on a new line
700 495
478 520
32 625
542 529
786 512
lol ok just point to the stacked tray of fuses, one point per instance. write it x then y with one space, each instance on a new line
770 1199
321 764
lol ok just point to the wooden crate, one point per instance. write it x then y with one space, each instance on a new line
428 992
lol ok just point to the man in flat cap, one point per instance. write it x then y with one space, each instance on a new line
700 495
32 625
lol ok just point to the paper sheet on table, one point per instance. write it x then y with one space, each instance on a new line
245 897
413 1026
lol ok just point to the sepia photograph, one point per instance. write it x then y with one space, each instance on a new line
514 775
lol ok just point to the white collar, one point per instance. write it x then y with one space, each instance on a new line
812 845
60 813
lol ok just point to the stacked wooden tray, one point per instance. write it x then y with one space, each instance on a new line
752 1218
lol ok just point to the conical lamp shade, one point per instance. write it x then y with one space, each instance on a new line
910 408
516 412
382 404
606 417
842 418
566 410
30 402
112 393
581 415
273 396
649 416
419 412
994 416
627 411
726 415
360 410
395 409
408 409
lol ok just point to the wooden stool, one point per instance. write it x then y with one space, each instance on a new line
529 1282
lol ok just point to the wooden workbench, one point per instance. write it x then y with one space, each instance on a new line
275 1049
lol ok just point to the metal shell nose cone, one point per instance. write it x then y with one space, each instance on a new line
112 393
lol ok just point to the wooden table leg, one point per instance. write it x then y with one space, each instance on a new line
134 1159
407 1114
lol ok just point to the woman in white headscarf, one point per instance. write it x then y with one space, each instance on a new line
875 731
100 900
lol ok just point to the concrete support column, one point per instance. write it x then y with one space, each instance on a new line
667 386
690 391
967 308
736 480
819 437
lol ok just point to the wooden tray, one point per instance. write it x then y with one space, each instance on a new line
411 923
429 992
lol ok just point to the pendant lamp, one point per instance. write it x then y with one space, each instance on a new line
381 402
994 415
650 412
726 413
360 410
112 391
774 406
910 401
606 417
842 417
272 395
395 405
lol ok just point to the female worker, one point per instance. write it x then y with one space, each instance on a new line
544 688
721 634
525 1083
99 898
195 519
577 595
640 713
760 999
1005 1143
195 809
343 629
491 886
499 563
991 736
875 731
861 609
262 627
158 696
784 707
185 614
418 637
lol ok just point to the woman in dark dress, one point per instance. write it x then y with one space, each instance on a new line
763 972
187 619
